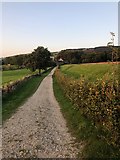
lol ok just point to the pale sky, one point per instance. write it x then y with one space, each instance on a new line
57 26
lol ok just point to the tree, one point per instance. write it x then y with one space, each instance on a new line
39 59
19 60
30 62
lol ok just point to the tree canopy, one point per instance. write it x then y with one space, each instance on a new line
89 55
39 59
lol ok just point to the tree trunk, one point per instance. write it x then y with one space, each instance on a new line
40 72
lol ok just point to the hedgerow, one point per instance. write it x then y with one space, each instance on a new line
99 101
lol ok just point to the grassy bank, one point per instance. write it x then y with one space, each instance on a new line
83 129
13 100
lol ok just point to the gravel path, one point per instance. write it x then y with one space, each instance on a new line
38 129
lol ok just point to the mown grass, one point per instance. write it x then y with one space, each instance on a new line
13 100
91 72
13 75
83 129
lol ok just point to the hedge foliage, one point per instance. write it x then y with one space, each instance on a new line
13 85
98 101
9 67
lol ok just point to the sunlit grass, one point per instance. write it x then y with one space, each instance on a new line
13 75
91 72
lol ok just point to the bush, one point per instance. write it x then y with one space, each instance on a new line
9 67
98 101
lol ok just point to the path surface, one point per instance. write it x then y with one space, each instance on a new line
38 129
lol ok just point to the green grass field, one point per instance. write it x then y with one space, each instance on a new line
89 71
13 75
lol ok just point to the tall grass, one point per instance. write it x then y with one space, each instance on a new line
86 133
98 101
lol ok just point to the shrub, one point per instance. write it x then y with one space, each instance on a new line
98 101
9 67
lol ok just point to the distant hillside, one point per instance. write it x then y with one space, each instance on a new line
89 55
79 55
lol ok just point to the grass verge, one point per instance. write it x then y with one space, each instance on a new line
83 129
13 100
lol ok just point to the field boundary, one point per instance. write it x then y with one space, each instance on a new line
17 97
13 85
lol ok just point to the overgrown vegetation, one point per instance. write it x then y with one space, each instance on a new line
99 103
12 101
